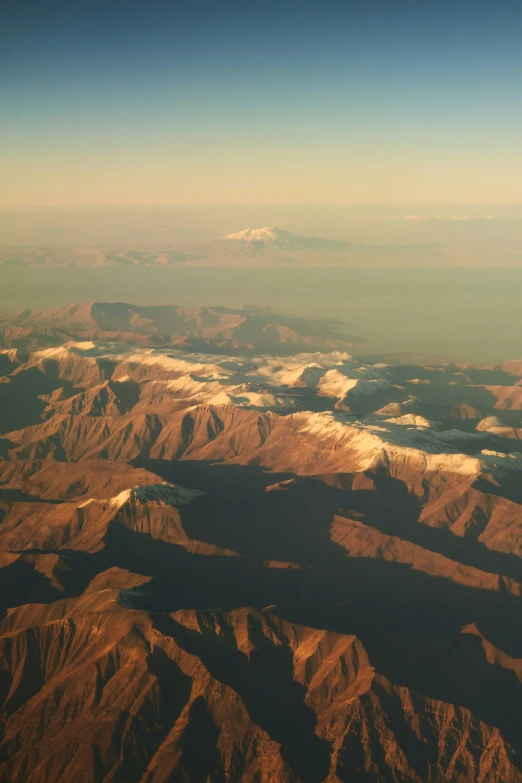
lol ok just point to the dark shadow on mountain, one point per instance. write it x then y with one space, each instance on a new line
409 622
274 699
213 477
20 406
200 759
506 484
395 511
173 691
17 496
127 394
7 366
21 583
293 523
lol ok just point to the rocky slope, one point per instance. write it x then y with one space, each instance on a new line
223 566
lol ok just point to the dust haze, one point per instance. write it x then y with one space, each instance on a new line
440 280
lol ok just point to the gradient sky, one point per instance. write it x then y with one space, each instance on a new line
368 101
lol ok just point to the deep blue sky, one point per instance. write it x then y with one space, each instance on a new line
160 103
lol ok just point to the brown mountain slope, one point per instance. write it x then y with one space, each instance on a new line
235 696
242 566
244 328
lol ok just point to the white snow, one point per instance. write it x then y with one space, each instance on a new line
164 492
336 384
511 462
396 434
87 345
304 369
174 364
409 420
374 443
51 353
64 350
253 234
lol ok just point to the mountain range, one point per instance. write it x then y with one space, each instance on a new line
216 328
267 246
233 550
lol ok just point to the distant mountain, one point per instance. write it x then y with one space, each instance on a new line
266 246
269 247
274 246
241 329
262 239
90 257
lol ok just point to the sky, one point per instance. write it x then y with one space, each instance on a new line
164 103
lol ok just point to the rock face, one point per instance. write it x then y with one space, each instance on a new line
238 566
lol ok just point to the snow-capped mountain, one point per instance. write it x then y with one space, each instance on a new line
275 557
269 236
253 246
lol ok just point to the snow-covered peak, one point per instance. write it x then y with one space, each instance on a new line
373 443
254 234
65 349
410 420
337 384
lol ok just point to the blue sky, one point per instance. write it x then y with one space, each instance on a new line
165 103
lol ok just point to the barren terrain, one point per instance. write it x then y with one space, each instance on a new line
229 550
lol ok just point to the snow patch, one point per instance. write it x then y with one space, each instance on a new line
409 420
253 234
87 345
374 443
170 494
335 384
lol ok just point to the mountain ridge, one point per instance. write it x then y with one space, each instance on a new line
247 328
228 564
253 246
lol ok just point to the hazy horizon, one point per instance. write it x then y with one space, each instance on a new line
457 313
364 223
